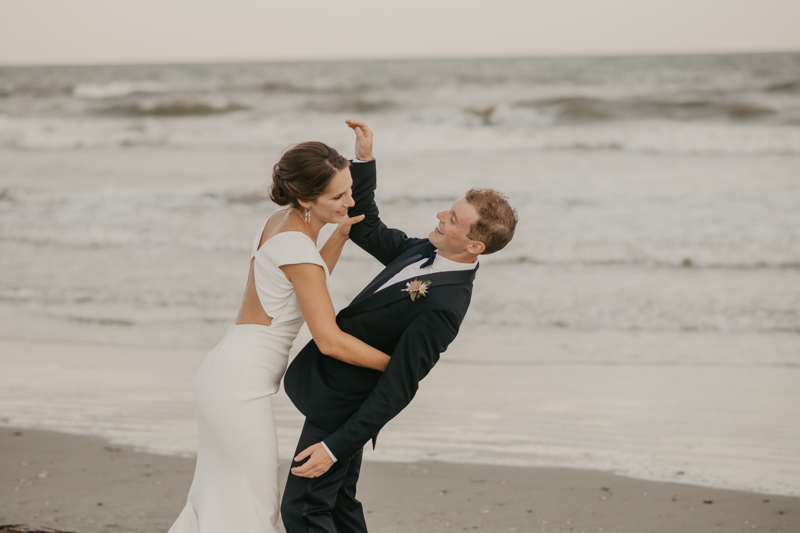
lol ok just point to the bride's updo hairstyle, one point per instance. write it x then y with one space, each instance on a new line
304 172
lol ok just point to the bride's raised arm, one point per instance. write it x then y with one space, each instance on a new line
315 302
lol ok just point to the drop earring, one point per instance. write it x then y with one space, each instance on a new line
307 216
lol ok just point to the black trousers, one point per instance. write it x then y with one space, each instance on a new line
326 504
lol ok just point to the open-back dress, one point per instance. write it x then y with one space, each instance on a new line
235 485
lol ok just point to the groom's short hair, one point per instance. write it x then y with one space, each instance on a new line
496 222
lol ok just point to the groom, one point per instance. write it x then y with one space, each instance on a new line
412 311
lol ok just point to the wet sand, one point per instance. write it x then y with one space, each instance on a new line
83 484
642 405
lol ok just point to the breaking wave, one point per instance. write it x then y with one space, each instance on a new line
686 105
789 86
680 262
227 124
585 109
176 108
351 105
117 89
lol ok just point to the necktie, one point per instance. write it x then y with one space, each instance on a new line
429 260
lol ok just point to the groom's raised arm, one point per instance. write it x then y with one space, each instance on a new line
371 234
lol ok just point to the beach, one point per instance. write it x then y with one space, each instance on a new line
640 333
76 483
122 270
701 423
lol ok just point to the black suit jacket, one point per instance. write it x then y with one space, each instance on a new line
354 403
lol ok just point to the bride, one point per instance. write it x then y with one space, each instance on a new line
235 485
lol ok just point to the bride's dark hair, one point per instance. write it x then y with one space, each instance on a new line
304 172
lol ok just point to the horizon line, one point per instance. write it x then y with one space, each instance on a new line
362 59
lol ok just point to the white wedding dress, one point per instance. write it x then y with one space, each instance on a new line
235 487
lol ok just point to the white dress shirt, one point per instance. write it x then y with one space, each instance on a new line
440 264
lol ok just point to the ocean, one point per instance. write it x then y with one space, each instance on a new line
644 319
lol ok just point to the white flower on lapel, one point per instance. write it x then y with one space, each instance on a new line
417 288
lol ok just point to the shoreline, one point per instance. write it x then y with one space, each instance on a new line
372 458
83 484
620 411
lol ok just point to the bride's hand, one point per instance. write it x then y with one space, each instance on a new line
343 229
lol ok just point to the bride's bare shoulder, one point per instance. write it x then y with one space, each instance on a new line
282 221
274 225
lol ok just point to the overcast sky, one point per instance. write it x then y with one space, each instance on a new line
144 31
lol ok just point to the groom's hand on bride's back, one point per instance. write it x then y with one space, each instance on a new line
363 139
319 461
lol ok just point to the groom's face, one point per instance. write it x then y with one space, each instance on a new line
450 235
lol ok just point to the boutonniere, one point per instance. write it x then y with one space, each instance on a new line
417 288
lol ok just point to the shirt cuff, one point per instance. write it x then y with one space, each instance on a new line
326 446
357 160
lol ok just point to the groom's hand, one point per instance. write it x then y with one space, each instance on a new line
318 462
363 139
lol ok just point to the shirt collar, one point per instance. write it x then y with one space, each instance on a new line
441 264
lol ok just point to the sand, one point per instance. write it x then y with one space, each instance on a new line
83 484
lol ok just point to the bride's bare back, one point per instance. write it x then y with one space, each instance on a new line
251 310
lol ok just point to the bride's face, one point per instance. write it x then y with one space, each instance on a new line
332 206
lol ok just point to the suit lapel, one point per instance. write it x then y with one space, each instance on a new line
387 274
394 293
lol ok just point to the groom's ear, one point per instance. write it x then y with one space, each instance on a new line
476 247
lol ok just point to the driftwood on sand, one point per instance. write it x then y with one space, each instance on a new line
23 528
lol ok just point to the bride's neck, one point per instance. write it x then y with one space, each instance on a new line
310 228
